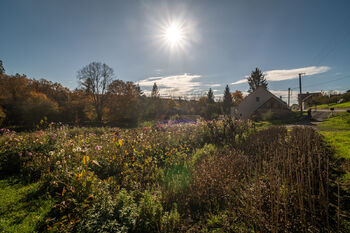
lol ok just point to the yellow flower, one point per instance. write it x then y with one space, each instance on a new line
86 159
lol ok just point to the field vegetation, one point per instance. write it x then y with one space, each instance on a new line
336 131
335 105
331 100
23 205
215 176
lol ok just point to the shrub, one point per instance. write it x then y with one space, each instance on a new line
227 132
124 213
2 116
108 214
266 116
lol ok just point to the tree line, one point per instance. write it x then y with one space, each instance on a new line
100 99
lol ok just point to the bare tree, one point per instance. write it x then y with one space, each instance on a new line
95 79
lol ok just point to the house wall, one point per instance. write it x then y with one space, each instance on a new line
277 108
249 104
258 102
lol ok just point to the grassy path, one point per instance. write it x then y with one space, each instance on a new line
337 132
22 206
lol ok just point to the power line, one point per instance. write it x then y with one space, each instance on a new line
317 84
334 43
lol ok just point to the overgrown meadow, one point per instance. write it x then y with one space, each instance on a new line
216 176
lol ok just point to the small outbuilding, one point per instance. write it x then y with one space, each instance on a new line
261 102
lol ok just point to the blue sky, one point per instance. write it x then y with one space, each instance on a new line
223 42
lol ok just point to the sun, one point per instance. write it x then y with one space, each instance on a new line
174 34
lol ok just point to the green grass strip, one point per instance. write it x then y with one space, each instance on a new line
22 206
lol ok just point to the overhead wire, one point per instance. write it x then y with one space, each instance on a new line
333 43
324 53
321 83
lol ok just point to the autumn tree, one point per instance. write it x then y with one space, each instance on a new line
23 103
38 107
95 79
227 102
14 92
80 107
237 97
2 116
123 99
256 79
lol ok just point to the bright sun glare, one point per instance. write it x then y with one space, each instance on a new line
174 34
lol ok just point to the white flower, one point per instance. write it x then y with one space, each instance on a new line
77 149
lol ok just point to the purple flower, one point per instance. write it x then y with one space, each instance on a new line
98 147
54 137
5 131
29 154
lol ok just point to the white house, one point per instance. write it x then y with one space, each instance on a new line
259 102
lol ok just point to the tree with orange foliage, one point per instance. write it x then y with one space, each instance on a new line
237 97
123 98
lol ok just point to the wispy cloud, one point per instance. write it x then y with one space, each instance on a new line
239 81
214 85
280 75
177 85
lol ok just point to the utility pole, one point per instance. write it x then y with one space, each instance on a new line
300 99
288 97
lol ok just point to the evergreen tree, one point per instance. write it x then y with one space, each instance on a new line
211 108
155 91
2 69
256 79
210 96
227 103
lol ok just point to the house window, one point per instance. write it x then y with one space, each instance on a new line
257 99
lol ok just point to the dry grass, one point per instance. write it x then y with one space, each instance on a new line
273 181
